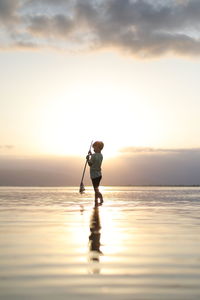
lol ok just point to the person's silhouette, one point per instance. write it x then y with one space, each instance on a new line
94 161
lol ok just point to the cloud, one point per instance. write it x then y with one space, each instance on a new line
143 28
40 171
149 150
58 26
159 167
8 10
6 147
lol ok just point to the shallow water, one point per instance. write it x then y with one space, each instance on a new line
143 243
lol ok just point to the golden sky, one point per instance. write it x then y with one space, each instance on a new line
125 72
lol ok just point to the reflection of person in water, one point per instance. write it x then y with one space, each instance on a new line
94 237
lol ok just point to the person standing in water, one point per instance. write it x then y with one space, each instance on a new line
94 161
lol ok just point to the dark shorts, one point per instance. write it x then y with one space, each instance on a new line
96 181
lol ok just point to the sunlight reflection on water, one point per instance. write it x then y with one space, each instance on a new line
143 243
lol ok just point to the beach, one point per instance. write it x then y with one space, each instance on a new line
142 243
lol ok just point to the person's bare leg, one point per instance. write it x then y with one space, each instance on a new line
101 198
98 195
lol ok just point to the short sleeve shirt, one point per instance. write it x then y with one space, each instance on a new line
95 168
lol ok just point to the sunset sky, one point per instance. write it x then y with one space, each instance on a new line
125 72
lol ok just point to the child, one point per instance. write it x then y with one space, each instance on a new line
94 161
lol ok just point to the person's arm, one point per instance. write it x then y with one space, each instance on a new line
89 159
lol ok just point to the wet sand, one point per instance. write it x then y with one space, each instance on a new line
143 243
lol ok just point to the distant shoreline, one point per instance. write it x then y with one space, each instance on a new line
128 185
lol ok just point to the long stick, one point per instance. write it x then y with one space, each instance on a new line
82 188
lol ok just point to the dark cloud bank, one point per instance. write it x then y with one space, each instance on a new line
135 166
143 28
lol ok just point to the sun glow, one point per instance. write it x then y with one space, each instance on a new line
93 112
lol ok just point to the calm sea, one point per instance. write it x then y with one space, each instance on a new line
143 243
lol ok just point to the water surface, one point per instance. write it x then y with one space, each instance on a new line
143 243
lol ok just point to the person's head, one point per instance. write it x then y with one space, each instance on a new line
98 146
